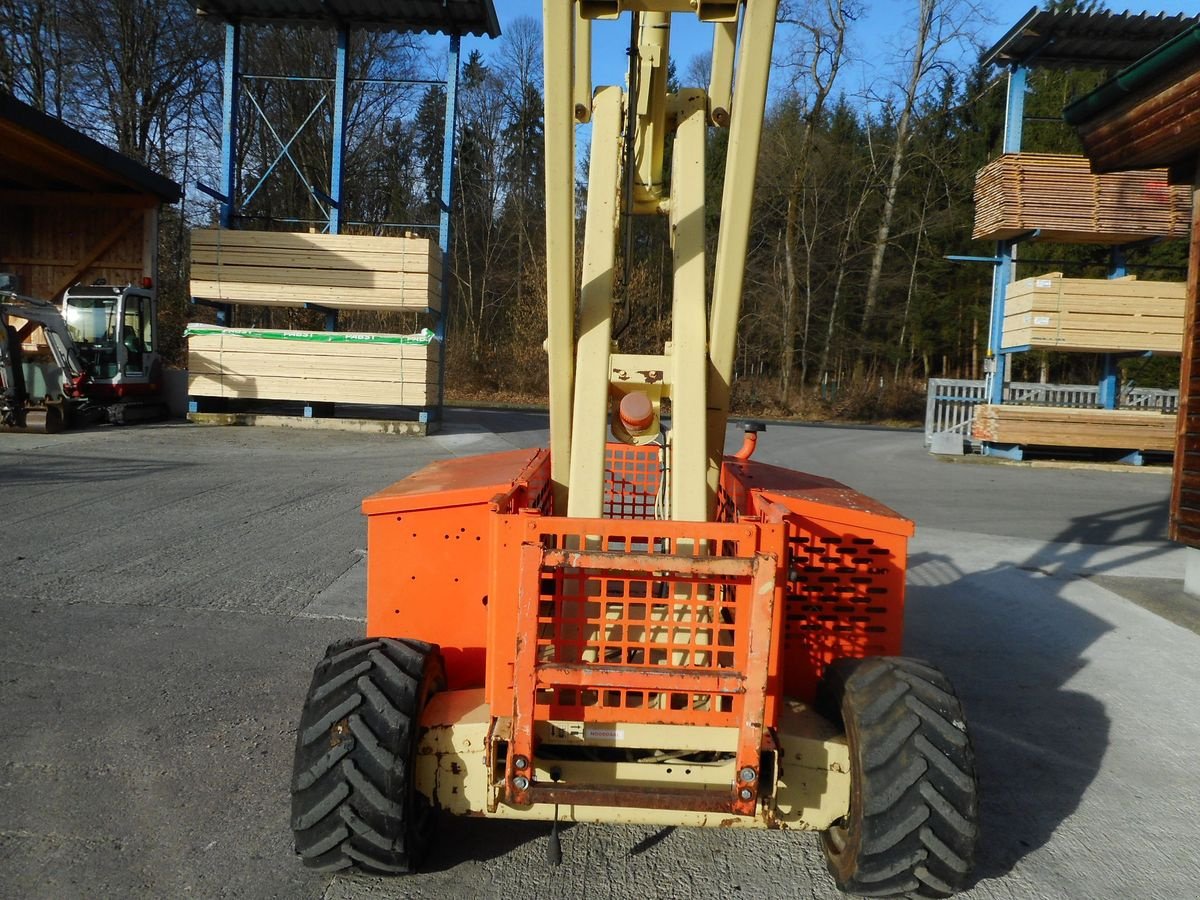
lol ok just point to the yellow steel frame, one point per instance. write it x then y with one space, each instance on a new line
810 791
588 376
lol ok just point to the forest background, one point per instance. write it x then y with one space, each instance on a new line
864 188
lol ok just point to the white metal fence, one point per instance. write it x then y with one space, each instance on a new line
950 402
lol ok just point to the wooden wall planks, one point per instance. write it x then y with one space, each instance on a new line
44 245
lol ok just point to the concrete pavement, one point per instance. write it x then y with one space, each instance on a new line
167 590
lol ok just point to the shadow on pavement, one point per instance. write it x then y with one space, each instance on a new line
461 839
54 468
1039 744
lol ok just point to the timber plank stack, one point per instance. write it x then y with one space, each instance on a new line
341 367
338 271
1053 426
1094 314
1057 194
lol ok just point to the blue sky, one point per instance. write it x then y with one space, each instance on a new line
875 38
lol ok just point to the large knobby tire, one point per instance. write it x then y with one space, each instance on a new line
353 802
913 821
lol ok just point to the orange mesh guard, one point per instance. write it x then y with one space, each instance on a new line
639 621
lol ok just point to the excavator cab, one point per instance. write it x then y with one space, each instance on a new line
114 329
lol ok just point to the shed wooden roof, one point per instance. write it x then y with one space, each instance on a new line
43 160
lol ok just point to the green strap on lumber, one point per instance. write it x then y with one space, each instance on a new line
424 336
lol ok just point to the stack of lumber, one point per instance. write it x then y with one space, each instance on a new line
1094 314
338 271
1019 192
1053 426
334 367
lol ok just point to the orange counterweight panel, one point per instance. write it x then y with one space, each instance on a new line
428 547
847 557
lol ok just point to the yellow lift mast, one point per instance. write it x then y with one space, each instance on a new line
696 369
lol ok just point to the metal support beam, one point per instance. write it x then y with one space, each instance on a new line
1108 382
1014 110
1001 277
720 80
691 496
1108 387
583 67
559 59
447 198
229 126
741 167
654 49
590 431
336 172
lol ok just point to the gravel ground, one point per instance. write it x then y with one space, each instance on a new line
167 590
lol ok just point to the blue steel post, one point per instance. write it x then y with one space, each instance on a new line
1117 268
448 170
1014 109
336 174
1002 275
229 126
229 129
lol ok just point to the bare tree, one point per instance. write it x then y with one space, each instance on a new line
940 26
816 58
31 53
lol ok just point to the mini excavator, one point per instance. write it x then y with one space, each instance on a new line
631 626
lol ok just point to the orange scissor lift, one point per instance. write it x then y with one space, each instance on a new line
631 626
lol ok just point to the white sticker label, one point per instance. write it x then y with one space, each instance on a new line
567 730
1043 282
1042 320
604 734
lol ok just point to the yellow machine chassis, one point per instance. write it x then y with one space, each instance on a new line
810 788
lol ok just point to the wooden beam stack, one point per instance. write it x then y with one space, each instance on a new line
1052 426
1094 314
338 271
339 367
1057 194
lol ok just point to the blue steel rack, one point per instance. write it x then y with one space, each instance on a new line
459 17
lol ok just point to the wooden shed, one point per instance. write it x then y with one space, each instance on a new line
71 209
1148 116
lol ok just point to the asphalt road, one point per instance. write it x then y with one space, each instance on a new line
166 591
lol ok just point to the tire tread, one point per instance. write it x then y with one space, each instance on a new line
913 829
353 805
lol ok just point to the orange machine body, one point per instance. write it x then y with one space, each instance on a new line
449 562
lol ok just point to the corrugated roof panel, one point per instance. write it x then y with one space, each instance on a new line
1085 39
477 17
